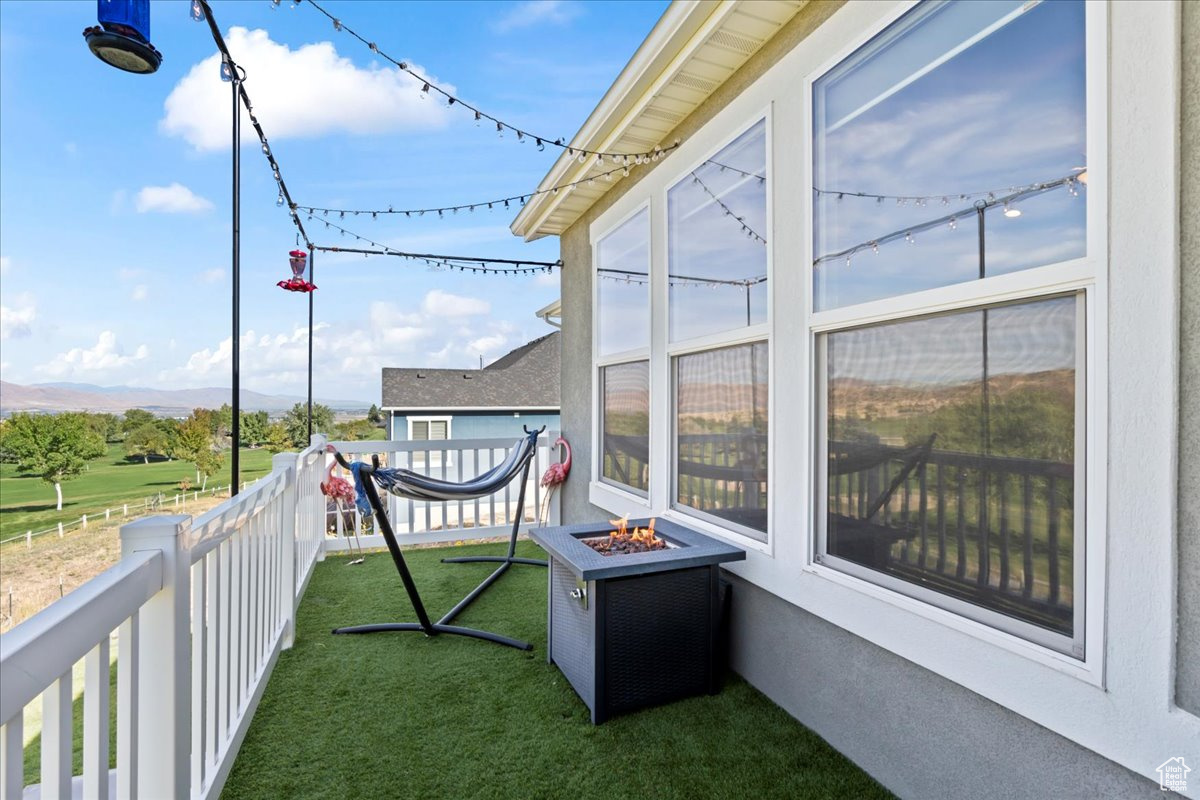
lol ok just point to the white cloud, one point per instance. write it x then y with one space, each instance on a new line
106 356
306 92
444 304
536 12
443 330
212 275
140 292
173 199
17 320
129 273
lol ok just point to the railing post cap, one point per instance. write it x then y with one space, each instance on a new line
283 460
316 438
155 527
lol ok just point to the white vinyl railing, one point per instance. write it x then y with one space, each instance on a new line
456 460
200 610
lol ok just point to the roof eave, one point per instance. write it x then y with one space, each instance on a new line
674 35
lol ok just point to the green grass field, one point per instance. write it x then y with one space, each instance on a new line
27 502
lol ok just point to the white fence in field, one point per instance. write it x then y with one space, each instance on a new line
456 460
160 502
199 611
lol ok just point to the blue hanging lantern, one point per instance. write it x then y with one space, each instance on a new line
122 39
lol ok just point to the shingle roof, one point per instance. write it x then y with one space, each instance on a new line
525 378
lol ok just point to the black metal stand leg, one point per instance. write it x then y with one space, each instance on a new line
382 627
470 598
450 630
533 562
424 625
504 561
487 636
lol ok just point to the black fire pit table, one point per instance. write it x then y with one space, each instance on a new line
634 630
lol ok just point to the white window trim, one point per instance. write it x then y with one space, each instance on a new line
435 458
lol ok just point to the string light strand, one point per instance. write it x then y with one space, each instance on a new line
746 229
483 205
428 86
230 67
908 233
436 261
919 200
641 279
461 263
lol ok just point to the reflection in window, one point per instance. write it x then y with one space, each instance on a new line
716 234
625 424
622 295
951 455
960 119
721 435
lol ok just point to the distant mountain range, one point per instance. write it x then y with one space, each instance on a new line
51 397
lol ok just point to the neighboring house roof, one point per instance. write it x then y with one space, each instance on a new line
691 51
525 378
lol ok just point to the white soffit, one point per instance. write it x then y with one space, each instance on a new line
694 48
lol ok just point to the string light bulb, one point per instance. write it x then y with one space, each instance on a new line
1011 211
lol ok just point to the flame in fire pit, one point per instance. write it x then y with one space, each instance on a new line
622 540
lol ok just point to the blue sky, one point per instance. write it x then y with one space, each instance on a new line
115 188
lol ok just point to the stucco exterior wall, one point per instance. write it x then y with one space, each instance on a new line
1188 653
917 733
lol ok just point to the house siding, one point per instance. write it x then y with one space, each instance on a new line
921 735
1188 635
480 424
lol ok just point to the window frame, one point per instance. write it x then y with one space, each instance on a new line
1083 656
669 352
418 458
629 499
748 334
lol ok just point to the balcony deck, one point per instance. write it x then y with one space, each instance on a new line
400 715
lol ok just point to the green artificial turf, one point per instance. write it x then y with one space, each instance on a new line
395 715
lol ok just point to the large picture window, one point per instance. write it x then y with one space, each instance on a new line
721 436
948 150
625 425
952 453
717 280
717 229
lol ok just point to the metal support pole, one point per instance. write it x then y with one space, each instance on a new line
312 256
235 83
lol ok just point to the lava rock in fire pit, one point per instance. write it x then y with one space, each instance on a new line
622 541
621 545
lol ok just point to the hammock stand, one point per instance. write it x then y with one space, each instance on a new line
408 484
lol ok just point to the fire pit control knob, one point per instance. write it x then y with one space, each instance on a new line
579 593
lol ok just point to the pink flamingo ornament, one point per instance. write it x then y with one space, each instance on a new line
340 491
556 474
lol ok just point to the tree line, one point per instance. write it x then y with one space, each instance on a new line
58 447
